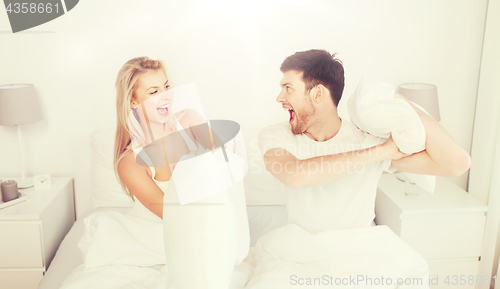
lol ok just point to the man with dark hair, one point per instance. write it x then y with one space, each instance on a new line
329 167
318 67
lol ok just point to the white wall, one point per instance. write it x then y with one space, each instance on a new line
232 50
485 170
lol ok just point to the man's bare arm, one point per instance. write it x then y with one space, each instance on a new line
442 156
296 173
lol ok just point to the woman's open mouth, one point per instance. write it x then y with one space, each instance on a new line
163 110
292 115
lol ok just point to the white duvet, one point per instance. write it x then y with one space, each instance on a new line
372 257
120 253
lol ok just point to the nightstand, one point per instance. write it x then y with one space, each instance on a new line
446 227
31 231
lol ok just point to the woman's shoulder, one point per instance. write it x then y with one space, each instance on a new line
128 165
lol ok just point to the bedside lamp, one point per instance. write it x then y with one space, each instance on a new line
19 105
425 95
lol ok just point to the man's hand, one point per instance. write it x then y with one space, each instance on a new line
392 150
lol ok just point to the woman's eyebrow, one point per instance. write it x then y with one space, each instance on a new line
156 86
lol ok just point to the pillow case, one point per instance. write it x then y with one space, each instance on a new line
373 109
106 191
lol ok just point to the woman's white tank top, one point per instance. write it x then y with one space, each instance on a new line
138 207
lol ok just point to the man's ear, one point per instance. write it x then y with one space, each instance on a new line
318 93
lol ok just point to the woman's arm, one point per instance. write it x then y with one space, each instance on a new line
199 128
141 184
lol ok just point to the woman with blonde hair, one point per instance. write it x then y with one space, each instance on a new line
203 240
138 80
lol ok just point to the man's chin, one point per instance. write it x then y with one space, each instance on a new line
295 129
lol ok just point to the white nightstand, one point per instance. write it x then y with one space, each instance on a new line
31 231
446 227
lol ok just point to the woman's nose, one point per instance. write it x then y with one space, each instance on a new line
164 94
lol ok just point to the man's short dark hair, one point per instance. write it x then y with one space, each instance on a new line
318 67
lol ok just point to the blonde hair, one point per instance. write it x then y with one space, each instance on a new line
131 137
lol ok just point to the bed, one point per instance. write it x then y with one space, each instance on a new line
277 257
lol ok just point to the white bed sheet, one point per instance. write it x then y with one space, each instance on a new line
282 250
68 256
262 220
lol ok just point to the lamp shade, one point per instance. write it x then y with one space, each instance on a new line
424 95
19 104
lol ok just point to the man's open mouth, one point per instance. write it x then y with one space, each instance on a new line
292 115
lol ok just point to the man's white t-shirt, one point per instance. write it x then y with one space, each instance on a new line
347 202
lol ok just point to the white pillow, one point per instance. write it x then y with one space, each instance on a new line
106 191
261 188
373 109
